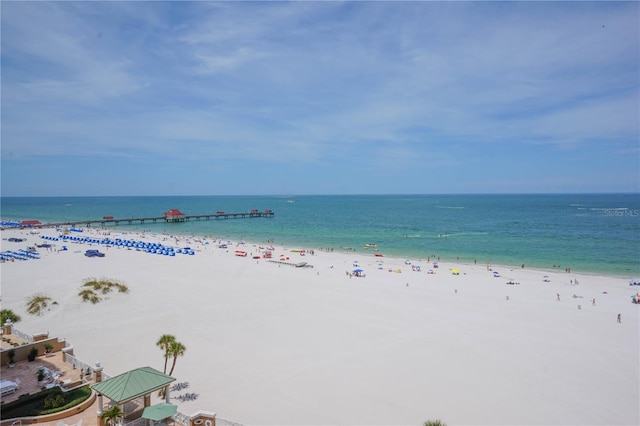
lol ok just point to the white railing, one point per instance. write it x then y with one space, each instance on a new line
225 422
137 422
77 363
22 335
182 419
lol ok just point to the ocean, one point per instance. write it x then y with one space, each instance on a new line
589 233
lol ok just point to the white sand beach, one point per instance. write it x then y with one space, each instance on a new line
274 344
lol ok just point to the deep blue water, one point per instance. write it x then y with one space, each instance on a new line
598 233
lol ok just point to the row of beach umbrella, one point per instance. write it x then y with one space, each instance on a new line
153 248
19 255
8 223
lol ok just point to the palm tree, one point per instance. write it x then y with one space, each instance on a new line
6 314
113 415
176 349
164 343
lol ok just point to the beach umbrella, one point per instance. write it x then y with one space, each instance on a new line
159 411
358 270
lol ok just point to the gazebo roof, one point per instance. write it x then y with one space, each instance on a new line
132 384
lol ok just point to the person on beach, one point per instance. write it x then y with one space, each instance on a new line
619 318
558 297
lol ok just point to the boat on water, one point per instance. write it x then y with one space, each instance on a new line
371 245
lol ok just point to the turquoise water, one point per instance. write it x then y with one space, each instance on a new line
592 233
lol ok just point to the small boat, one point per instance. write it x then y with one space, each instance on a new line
370 245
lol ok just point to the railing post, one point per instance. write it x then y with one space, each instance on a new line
66 352
98 370
8 327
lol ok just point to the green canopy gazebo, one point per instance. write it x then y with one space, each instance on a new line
133 384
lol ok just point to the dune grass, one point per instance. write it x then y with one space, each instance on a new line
37 303
92 287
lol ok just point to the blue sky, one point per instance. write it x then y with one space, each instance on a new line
216 98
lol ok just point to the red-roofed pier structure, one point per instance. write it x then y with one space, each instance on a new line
171 216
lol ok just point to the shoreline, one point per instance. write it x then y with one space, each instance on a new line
280 345
465 259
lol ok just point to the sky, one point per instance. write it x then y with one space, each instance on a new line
292 98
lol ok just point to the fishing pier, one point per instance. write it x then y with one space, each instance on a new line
171 216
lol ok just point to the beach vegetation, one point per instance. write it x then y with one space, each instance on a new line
34 404
105 286
89 295
92 287
8 314
434 423
37 303
112 416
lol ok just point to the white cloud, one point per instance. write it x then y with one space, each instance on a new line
310 83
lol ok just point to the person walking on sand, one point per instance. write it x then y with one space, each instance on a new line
619 318
558 297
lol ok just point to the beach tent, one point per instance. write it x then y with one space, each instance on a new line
496 274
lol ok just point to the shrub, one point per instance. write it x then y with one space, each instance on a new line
54 399
33 353
34 404
11 353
